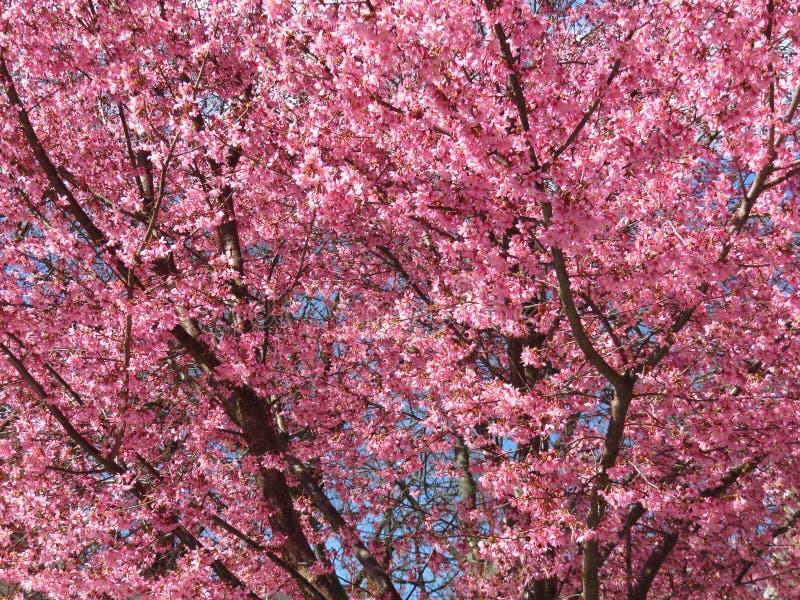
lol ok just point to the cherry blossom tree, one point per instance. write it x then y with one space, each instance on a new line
399 299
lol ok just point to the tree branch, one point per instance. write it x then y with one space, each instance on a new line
376 573
652 566
73 208
109 465
579 333
514 84
589 112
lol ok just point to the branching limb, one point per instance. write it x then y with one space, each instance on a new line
567 301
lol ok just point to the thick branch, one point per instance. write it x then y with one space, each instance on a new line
731 476
109 466
637 511
652 566
73 208
466 483
376 573
84 444
250 413
567 301
514 84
